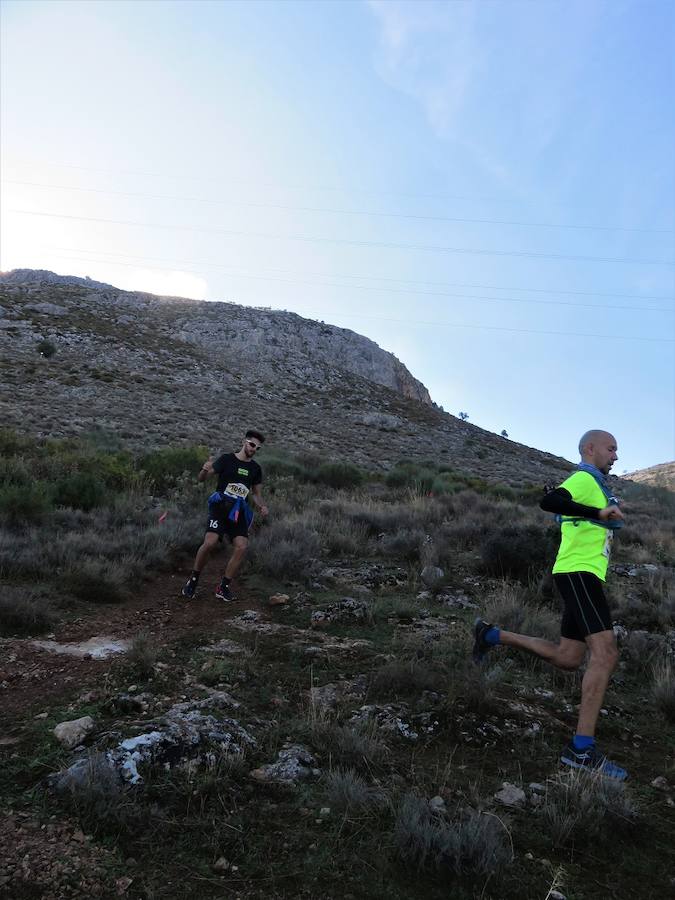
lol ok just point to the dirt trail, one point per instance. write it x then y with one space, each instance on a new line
32 678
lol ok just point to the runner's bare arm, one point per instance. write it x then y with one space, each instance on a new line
206 470
256 497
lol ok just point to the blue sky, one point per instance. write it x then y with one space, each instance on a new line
485 188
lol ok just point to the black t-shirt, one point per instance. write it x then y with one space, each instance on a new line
236 478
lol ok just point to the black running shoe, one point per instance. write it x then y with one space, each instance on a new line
189 588
224 593
480 645
593 760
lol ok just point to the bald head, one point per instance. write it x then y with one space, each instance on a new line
599 449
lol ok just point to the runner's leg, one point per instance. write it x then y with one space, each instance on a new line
239 548
602 662
568 654
208 544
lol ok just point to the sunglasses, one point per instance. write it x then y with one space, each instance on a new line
253 444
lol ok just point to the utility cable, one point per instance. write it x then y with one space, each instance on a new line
388 245
341 212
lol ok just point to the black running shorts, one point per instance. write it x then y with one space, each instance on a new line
219 523
586 610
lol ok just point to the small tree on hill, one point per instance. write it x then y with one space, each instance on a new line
46 349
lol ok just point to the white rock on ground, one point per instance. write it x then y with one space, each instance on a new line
72 733
510 795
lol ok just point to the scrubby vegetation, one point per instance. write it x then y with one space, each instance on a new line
411 741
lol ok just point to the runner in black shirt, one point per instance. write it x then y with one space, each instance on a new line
239 481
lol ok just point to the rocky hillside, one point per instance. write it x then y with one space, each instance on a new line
79 354
662 475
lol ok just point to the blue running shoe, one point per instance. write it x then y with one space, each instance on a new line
480 645
224 593
593 760
189 588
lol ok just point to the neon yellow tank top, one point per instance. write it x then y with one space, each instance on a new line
584 547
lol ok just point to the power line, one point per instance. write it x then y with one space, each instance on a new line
610 337
316 188
482 287
618 337
258 183
342 212
389 290
389 245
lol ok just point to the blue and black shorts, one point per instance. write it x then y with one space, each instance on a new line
220 523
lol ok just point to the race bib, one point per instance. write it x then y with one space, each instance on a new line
236 490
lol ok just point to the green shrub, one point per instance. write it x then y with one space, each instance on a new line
164 467
46 348
23 612
24 504
116 470
447 483
409 475
82 490
95 582
11 443
339 475
517 552
15 470
285 467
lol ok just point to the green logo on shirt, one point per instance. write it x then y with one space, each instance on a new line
242 471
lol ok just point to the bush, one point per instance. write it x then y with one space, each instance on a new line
103 807
285 467
142 655
474 688
164 467
116 470
408 678
95 582
358 747
473 844
339 475
23 612
403 545
663 689
518 552
46 348
82 490
11 443
285 549
586 805
348 793
411 476
642 650
447 483
508 607
339 538
24 504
